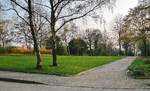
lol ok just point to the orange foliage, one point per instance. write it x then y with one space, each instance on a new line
28 51
21 50
45 51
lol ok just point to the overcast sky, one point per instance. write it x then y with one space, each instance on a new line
122 7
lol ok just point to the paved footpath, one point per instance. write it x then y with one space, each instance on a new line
110 77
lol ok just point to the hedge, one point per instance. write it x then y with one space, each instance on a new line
22 51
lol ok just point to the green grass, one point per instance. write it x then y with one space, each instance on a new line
68 65
140 68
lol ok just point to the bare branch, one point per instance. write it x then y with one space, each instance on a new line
65 22
14 1
61 8
43 5
20 16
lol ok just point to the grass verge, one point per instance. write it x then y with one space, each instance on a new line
140 68
68 65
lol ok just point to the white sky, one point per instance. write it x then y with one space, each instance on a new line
122 7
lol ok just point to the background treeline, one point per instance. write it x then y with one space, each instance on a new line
92 42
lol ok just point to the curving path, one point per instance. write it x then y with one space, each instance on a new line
110 77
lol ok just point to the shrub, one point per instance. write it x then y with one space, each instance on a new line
45 51
146 61
10 50
21 51
138 71
4 50
140 68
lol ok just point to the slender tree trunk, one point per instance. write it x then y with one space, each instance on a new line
95 47
3 43
90 48
119 48
36 47
26 42
78 52
145 46
91 51
119 44
135 50
54 52
105 47
68 50
126 49
54 56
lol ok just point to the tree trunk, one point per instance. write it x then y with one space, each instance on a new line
53 22
26 42
126 49
36 47
3 43
39 60
145 46
119 48
119 40
135 50
91 51
68 50
78 51
90 48
54 53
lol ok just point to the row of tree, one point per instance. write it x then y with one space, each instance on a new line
37 18
133 31
92 42
48 23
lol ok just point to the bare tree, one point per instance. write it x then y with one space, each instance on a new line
93 37
117 27
5 33
65 38
28 8
89 40
41 31
62 12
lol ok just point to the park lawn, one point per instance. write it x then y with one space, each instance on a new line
68 65
140 68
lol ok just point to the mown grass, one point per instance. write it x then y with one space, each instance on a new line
140 68
68 65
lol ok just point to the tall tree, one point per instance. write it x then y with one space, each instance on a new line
41 31
93 37
28 8
5 33
36 47
117 27
62 12
77 47
65 38
138 22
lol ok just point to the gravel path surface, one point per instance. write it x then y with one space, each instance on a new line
110 77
